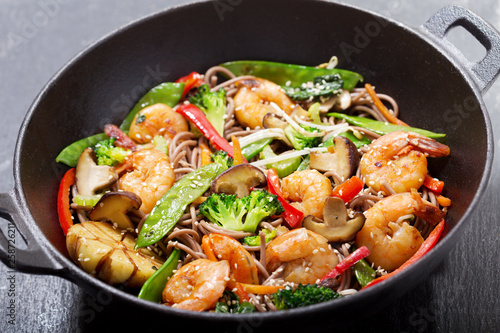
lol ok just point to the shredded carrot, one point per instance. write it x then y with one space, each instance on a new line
238 157
205 154
259 289
331 149
381 107
443 201
238 289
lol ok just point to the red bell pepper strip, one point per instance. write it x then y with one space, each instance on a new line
65 217
348 189
198 118
292 215
193 80
433 184
122 140
426 246
345 264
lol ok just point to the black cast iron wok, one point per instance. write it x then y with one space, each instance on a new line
436 86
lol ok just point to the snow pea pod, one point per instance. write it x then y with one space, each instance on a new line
383 128
171 206
71 153
254 148
364 273
152 289
288 74
168 93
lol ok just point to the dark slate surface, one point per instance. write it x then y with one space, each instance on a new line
39 37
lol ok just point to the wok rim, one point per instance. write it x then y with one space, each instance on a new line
75 274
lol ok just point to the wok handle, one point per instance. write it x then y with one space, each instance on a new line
483 72
19 249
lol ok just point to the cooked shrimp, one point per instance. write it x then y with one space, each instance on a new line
252 100
307 256
308 190
103 251
241 263
398 159
157 119
198 285
151 177
390 239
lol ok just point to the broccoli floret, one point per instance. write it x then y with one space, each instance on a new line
213 104
108 154
255 240
230 303
261 204
222 157
240 214
307 294
225 210
300 141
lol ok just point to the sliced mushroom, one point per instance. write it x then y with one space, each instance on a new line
335 227
343 101
344 161
114 206
238 180
107 253
91 177
337 102
271 120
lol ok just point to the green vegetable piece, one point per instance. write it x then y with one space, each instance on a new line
288 74
304 165
225 210
321 86
304 295
255 148
231 304
313 113
300 141
108 154
363 272
348 134
87 200
383 128
240 214
168 93
283 168
223 158
168 211
213 104
255 240
261 204
71 153
161 144
153 288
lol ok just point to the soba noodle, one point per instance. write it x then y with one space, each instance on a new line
185 158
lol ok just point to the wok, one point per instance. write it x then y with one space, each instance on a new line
436 87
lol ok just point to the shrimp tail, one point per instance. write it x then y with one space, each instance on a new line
429 146
426 210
